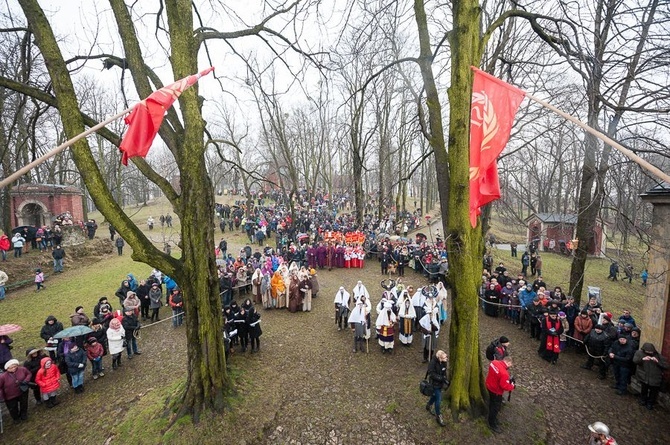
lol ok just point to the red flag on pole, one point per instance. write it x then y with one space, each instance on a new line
147 116
494 104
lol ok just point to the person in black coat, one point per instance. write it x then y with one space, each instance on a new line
242 328
254 328
130 324
597 343
437 375
50 328
122 292
33 364
76 364
621 355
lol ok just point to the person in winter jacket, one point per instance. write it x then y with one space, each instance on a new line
115 337
33 364
649 372
143 294
47 379
498 381
94 352
437 375
122 292
132 302
15 398
597 344
583 325
5 350
119 245
18 241
155 301
76 364
177 304
621 355
79 318
130 324
5 245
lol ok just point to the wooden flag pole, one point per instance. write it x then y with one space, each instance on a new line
17 174
603 137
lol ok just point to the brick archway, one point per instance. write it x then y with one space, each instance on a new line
33 212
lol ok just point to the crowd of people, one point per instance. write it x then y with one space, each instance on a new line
609 342
108 332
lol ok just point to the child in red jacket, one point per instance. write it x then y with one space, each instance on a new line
48 379
94 352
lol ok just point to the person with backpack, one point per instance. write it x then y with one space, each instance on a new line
497 350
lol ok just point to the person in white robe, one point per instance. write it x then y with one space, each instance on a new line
359 321
407 314
342 302
385 324
430 327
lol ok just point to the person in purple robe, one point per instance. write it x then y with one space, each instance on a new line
321 253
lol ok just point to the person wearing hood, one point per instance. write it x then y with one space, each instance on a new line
12 382
278 290
122 292
430 328
385 324
305 288
50 328
155 301
94 353
132 302
256 280
76 364
132 282
407 314
342 302
649 372
360 290
265 288
47 378
359 320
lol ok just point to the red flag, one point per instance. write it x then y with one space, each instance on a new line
147 116
494 104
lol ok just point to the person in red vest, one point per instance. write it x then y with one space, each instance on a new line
497 382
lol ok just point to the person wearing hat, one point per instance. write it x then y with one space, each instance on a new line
649 372
583 325
94 353
102 302
115 337
429 325
76 365
621 355
359 321
609 328
122 292
131 325
132 302
48 381
385 324
79 318
315 282
498 381
501 348
155 301
550 340
14 389
33 364
600 434
535 313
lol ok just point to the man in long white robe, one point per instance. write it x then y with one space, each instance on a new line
359 320
360 290
430 327
407 315
386 321
342 301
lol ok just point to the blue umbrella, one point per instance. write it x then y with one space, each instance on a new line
74 331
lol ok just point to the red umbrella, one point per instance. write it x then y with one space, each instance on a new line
7 329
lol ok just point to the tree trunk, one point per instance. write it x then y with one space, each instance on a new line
207 379
463 242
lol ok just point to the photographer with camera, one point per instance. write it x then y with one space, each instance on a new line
437 375
498 381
